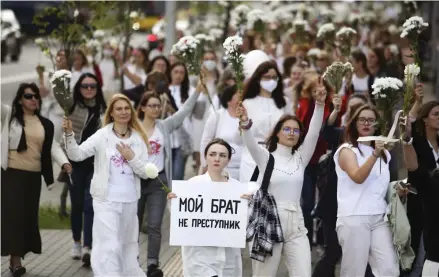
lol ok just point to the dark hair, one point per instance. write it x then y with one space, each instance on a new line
227 95
379 52
82 54
359 56
160 84
228 74
359 96
17 109
422 114
220 142
253 88
184 87
100 105
272 140
288 64
152 62
145 99
351 131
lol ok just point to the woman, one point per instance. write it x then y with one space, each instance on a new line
135 74
204 105
152 195
28 148
160 64
291 153
296 78
265 102
363 179
80 66
181 143
376 64
360 77
421 155
203 261
108 67
221 124
120 155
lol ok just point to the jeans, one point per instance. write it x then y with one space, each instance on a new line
178 163
82 204
153 197
308 198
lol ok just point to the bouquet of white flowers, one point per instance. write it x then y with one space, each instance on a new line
326 33
61 88
299 31
239 16
204 40
256 20
344 39
188 50
232 46
152 172
386 93
412 27
411 71
335 72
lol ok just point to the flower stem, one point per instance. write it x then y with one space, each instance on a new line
164 187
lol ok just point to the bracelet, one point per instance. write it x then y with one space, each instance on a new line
320 103
246 126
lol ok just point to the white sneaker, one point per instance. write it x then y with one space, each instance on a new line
76 251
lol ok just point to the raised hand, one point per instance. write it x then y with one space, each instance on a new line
241 112
336 101
125 151
419 93
321 93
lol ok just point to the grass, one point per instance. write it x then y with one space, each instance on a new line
49 218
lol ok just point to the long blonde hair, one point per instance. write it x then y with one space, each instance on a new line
134 122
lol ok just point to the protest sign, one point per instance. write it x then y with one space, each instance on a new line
208 214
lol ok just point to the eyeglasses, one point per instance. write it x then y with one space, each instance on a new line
29 96
270 78
294 131
154 106
91 86
363 121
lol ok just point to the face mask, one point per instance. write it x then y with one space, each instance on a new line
269 85
108 53
209 65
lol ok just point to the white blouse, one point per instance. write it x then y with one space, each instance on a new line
368 198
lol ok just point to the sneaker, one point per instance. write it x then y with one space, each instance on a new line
154 271
86 256
76 251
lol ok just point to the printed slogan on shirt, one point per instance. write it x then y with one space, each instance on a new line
205 210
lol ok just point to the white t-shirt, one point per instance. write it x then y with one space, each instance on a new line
157 143
360 84
139 71
121 181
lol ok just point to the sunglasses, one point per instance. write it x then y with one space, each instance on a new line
29 96
294 131
91 86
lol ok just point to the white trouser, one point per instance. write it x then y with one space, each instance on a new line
431 269
115 240
363 239
295 249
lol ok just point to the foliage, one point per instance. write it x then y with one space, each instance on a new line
49 218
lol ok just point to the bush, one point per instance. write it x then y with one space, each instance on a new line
49 218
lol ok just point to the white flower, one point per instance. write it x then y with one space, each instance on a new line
345 31
185 44
314 52
241 9
232 44
39 41
151 170
98 34
61 74
223 3
413 24
93 43
382 85
75 13
325 28
394 49
392 29
253 16
216 33
201 36
412 69
134 14
299 22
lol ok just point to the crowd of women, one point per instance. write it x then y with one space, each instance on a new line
300 134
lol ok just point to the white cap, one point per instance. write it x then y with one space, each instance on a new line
252 60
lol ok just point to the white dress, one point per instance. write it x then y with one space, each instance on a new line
265 114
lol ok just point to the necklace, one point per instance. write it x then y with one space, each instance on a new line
123 134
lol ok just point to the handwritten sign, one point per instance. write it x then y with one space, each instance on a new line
208 214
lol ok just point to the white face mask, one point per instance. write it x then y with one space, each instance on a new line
209 65
108 53
269 85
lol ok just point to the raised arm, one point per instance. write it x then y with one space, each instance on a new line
208 134
259 154
173 122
